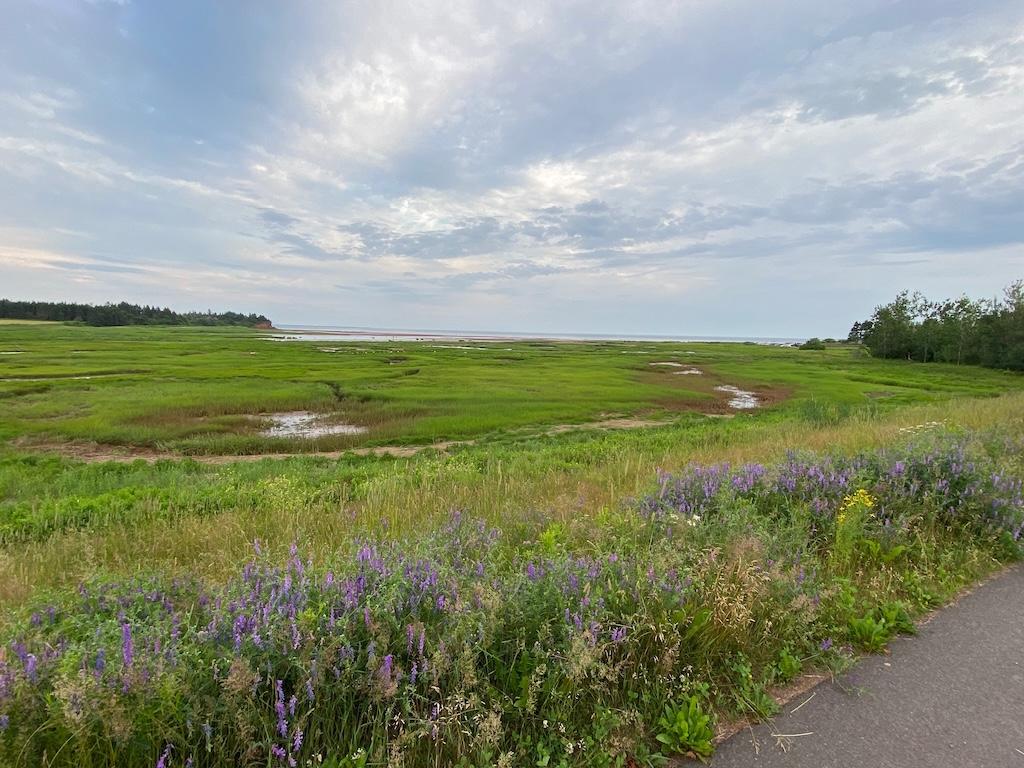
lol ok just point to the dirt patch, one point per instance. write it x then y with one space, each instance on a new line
879 394
97 452
710 395
618 423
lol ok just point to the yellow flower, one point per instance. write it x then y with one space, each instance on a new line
859 498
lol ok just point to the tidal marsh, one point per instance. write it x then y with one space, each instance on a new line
576 453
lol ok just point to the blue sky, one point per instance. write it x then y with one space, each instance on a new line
729 168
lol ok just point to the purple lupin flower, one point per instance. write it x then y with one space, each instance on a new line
30 667
162 762
127 648
282 720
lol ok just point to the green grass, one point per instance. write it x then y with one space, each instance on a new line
182 518
607 639
194 390
187 389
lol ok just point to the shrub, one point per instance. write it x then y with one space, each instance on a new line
813 343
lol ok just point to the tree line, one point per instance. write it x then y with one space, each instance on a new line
120 314
964 331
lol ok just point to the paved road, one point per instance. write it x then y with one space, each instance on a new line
951 696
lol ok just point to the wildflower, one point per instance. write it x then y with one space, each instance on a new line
127 649
30 667
826 644
162 762
282 721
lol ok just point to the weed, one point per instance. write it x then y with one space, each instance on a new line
685 728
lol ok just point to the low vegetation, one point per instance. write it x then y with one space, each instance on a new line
536 589
594 645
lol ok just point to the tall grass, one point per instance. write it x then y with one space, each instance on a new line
184 515
590 642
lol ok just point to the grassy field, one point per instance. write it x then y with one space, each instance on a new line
202 391
557 445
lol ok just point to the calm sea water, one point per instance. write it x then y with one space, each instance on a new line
339 333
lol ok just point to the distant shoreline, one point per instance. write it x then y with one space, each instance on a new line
314 332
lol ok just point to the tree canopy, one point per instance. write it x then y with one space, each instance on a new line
987 332
120 314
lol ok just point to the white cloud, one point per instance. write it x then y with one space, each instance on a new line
531 152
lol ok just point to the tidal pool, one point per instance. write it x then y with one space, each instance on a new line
740 399
306 424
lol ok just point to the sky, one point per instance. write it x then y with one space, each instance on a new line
726 168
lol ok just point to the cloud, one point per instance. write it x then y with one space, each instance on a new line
533 163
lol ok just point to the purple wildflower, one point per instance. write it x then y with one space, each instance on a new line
30 667
282 720
127 649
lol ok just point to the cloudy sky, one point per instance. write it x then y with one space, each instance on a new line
728 167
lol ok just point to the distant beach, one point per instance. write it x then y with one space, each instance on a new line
289 332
